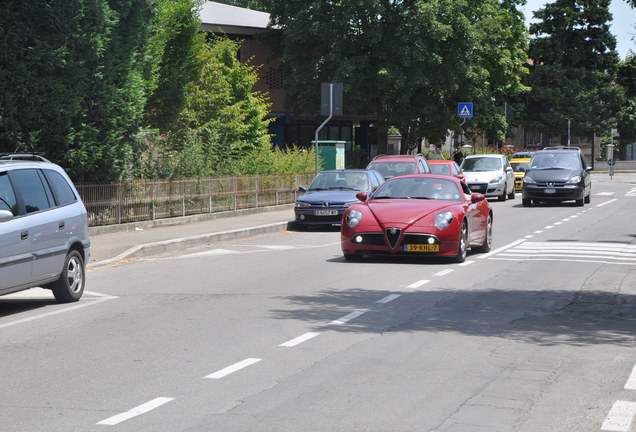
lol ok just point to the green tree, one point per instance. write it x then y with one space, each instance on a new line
627 116
249 4
572 70
71 81
410 61
173 60
223 119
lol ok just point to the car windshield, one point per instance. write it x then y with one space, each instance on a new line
440 169
392 169
482 164
419 188
568 161
520 166
340 180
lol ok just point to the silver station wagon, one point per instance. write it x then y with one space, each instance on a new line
43 228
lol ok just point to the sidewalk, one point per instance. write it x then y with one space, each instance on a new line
117 242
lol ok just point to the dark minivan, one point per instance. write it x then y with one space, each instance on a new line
557 174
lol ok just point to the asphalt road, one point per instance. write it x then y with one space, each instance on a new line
279 333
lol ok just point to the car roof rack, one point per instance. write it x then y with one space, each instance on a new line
24 156
562 148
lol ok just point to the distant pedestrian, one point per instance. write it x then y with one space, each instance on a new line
458 156
438 154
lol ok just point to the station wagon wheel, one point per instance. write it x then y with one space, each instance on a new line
485 248
70 286
462 248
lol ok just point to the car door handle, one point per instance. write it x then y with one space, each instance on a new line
60 225
24 235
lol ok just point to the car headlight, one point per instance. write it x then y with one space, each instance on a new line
574 180
443 220
302 204
497 179
528 179
350 203
353 218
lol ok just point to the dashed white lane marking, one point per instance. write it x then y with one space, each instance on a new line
631 381
388 298
299 340
466 263
444 272
346 318
606 203
538 232
503 248
620 417
605 193
418 283
233 368
529 236
141 409
549 227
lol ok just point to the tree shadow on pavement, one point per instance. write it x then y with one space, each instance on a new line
549 317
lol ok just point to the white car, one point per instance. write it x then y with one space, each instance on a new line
490 175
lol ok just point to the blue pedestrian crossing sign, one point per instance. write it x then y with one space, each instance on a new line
465 109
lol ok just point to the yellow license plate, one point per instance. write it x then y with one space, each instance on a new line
421 247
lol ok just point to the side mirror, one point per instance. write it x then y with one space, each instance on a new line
5 215
362 196
588 169
476 197
302 189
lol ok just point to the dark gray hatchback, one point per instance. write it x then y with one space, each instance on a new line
557 174
43 228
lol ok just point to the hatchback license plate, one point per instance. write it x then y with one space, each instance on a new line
549 191
325 212
421 248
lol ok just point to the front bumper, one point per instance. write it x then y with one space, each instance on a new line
555 193
313 216
380 243
488 189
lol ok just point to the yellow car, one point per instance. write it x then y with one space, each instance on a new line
519 166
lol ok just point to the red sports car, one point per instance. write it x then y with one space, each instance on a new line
418 214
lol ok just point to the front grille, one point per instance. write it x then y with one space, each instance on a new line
420 239
393 236
550 185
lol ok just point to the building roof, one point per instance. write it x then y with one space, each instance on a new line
222 18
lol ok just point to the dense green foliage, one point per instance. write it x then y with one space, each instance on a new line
71 81
408 62
250 4
222 119
174 60
573 70
626 123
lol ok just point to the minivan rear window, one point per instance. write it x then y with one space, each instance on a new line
30 187
62 190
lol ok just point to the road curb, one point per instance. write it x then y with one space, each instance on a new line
155 248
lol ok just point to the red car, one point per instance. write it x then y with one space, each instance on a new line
418 214
448 167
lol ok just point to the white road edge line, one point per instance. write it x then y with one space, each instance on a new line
233 368
631 381
620 417
503 248
444 272
418 283
141 409
84 303
299 340
466 263
388 298
346 318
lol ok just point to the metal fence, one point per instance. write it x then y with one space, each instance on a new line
143 200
